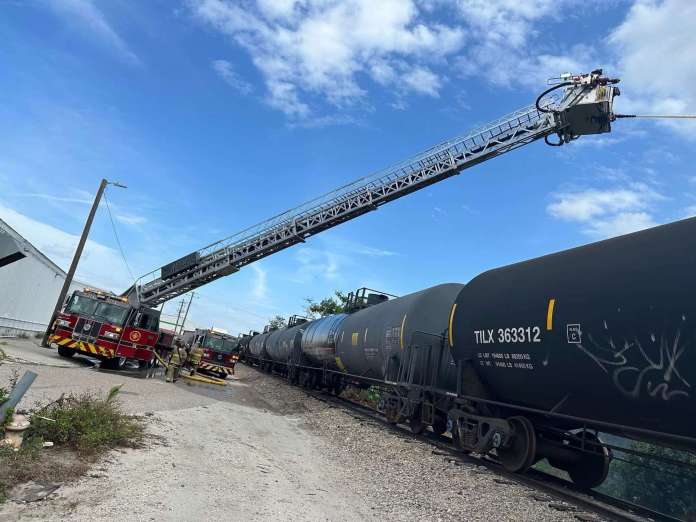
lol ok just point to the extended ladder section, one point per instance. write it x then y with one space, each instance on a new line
581 105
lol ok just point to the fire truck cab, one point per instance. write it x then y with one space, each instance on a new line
218 352
105 326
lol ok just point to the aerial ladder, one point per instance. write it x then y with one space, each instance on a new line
574 106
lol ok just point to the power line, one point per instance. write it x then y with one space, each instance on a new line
118 241
659 116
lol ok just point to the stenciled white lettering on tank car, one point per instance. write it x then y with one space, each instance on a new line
520 334
520 361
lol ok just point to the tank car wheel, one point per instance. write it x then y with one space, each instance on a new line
439 424
457 439
391 413
521 452
592 468
415 422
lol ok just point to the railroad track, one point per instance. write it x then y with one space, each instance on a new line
607 506
586 503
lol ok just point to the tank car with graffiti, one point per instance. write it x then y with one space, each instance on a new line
531 360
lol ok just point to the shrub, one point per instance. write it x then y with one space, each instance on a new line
86 424
81 427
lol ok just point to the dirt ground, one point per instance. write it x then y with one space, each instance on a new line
256 449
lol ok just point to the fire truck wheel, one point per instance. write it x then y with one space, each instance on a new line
117 363
222 375
65 352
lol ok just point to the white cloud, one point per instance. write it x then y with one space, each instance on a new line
99 264
509 48
333 259
53 197
260 283
607 213
655 46
314 263
619 224
130 219
226 72
507 22
88 16
422 80
323 48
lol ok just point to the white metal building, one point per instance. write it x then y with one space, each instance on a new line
29 285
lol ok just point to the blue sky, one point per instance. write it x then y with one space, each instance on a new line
218 114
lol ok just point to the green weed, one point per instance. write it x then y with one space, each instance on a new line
87 424
82 427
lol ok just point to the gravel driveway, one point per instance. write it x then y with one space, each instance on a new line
258 449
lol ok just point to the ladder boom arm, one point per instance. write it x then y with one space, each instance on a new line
584 107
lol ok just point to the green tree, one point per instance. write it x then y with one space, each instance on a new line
335 304
665 487
277 322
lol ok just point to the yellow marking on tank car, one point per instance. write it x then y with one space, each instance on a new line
401 336
549 314
340 364
451 320
354 339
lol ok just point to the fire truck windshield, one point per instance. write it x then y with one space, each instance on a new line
219 345
82 305
112 313
85 306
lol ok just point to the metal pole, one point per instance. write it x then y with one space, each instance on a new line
178 315
76 257
187 311
17 393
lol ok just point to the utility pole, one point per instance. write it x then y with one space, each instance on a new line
187 311
76 258
178 314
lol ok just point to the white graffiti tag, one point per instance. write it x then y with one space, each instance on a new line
634 372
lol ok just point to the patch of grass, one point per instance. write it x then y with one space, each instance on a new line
82 427
87 424
22 335
369 397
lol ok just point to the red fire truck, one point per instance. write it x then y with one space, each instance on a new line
105 326
219 351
